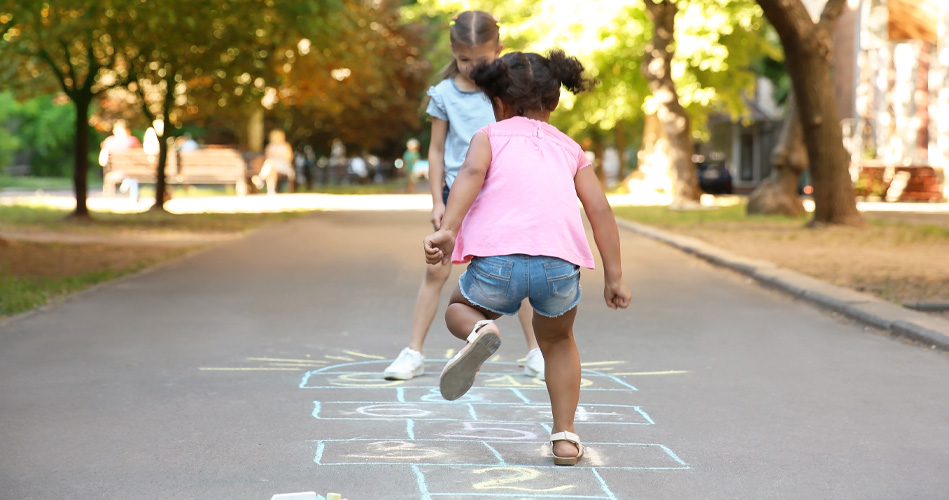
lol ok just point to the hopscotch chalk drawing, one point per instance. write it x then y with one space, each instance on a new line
491 443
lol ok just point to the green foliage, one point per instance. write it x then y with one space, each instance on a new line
48 130
44 127
363 85
718 41
9 143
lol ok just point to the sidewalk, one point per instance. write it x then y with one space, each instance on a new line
196 381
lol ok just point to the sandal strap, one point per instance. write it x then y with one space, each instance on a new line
474 331
565 436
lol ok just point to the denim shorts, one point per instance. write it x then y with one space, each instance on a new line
499 284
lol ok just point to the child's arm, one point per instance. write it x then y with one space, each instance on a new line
464 191
605 234
436 169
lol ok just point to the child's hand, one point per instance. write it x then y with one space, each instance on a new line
438 246
438 211
616 294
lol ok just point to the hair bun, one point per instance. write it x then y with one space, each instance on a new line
569 70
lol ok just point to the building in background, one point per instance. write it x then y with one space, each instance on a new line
891 81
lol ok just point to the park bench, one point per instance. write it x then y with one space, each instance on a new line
203 166
212 166
134 164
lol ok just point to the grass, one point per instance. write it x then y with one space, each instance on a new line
897 257
54 219
734 218
21 294
664 217
34 274
45 183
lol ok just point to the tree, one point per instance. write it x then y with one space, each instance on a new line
364 88
808 50
70 45
223 53
778 193
676 123
716 43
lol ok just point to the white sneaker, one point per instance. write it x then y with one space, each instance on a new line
534 364
408 365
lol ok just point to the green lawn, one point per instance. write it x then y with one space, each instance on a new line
21 294
45 183
55 219
91 264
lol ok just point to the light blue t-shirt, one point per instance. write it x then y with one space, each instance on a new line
466 113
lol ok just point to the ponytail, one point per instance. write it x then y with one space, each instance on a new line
569 71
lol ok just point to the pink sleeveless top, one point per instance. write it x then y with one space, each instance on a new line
528 203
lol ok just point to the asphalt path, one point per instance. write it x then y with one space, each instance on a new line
254 368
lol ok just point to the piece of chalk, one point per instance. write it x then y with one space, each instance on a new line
334 496
305 495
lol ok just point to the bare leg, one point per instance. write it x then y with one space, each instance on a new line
525 316
271 179
426 304
462 315
562 370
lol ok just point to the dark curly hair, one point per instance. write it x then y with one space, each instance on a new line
526 81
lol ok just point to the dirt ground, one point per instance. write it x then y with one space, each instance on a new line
27 259
888 262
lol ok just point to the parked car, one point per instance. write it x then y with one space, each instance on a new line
714 178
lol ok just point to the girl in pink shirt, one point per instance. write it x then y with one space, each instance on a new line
523 235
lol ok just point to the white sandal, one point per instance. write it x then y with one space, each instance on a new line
459 374
570 437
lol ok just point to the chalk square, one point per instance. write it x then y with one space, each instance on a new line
388 411
482 431
586 413
511 481
407 452
347 429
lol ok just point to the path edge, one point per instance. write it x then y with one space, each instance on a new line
867 309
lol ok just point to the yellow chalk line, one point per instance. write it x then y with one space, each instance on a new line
362 355
289 360
667 372
256 368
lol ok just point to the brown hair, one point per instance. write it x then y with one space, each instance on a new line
471 28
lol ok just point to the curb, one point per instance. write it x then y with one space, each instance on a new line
867 309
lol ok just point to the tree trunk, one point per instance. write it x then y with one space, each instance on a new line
807 49
778 193
620 136
82 101
255 130
656 66
161 184
652 159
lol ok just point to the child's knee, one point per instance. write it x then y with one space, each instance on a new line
547 334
